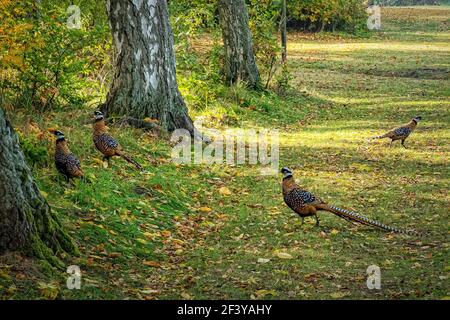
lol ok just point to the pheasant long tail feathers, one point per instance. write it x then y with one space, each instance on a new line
354 217
386 135
130 160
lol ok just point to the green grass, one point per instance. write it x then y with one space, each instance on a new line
345 90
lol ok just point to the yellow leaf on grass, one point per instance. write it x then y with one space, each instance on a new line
263 292
204 209
186 296
150 235
263 260
283 255
338 295
143 241
166 233
152 120
225 191
98 161
149 291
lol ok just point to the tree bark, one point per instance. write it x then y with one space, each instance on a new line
26 222
283 32
144 83
240 62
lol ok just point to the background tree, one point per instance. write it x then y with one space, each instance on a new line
144 83
283 23
26 222
240 63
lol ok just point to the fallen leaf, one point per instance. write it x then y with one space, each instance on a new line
166 233
114 254
151 236
338 295
152 264
283 255
263 292
149 291
186 296
225 191
98 161
140 240
151 120
262 260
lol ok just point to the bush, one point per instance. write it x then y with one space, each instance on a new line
264 16
318 15
35 150
46 64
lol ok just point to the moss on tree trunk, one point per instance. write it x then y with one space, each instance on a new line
27 223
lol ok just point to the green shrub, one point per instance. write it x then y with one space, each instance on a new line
283 81
35 150
51 63
318 15
264 17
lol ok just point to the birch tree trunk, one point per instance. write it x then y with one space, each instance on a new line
283 32
240 63
26 222
144 83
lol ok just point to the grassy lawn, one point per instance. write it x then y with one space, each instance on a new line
174 233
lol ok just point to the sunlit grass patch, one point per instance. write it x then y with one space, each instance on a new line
420 18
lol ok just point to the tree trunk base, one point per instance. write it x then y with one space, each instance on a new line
27 223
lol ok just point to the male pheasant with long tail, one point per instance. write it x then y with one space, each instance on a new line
306 204
106 144
400 133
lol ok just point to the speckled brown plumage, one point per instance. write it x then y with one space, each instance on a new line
65 161
400 133
305 204
106 144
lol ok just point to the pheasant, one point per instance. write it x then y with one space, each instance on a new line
306 204
106 144
400 133
65 161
